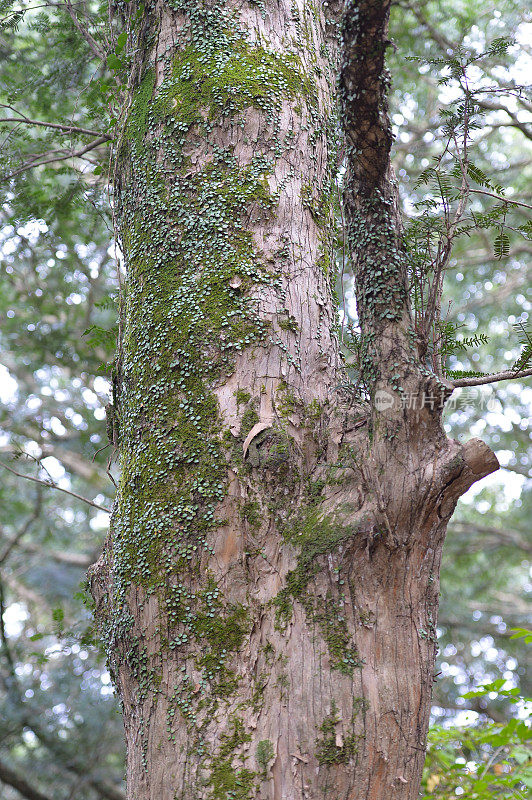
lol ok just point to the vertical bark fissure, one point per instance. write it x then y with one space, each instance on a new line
268 591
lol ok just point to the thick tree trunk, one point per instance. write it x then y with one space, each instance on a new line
268 592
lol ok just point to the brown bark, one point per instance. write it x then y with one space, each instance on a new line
268 592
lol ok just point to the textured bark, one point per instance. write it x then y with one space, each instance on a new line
268 592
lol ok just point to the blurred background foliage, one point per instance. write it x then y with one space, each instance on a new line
61 734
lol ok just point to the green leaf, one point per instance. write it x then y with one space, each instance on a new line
109 301
501 245
121 42
499 46
525 776
101 337
113 62
521 754
480 177
523 731
523 362
522 633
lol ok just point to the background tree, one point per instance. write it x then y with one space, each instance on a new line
475 563
61 735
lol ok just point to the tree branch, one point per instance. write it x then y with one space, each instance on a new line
515 123
30 717
73 462
71 559
103 787
448 47
501 199
473 705
54 486
524 471
73 154
15 780
508 375
477 536
14 541
364 85
472 628
4 644
371 201
54 125
93 44
445 44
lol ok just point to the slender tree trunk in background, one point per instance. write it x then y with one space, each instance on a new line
268 593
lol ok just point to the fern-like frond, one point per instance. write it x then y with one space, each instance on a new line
525 339
501 245
454 374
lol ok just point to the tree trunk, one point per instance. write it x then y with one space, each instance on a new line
268 592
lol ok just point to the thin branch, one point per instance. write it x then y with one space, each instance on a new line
55 125
483 536
501 199
509 375
490 761
32 600
54 486
66 761
524 471
5 649
74 154
68 558
30 716
473 705
14 779
93 44
471 628
445 44
516 123
14 541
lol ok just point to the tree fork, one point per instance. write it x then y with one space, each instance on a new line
268 591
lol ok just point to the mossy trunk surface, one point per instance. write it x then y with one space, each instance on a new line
268 592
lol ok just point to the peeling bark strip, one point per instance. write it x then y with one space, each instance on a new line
268 591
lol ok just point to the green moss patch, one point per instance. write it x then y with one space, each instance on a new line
328 752
316 536
228 782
